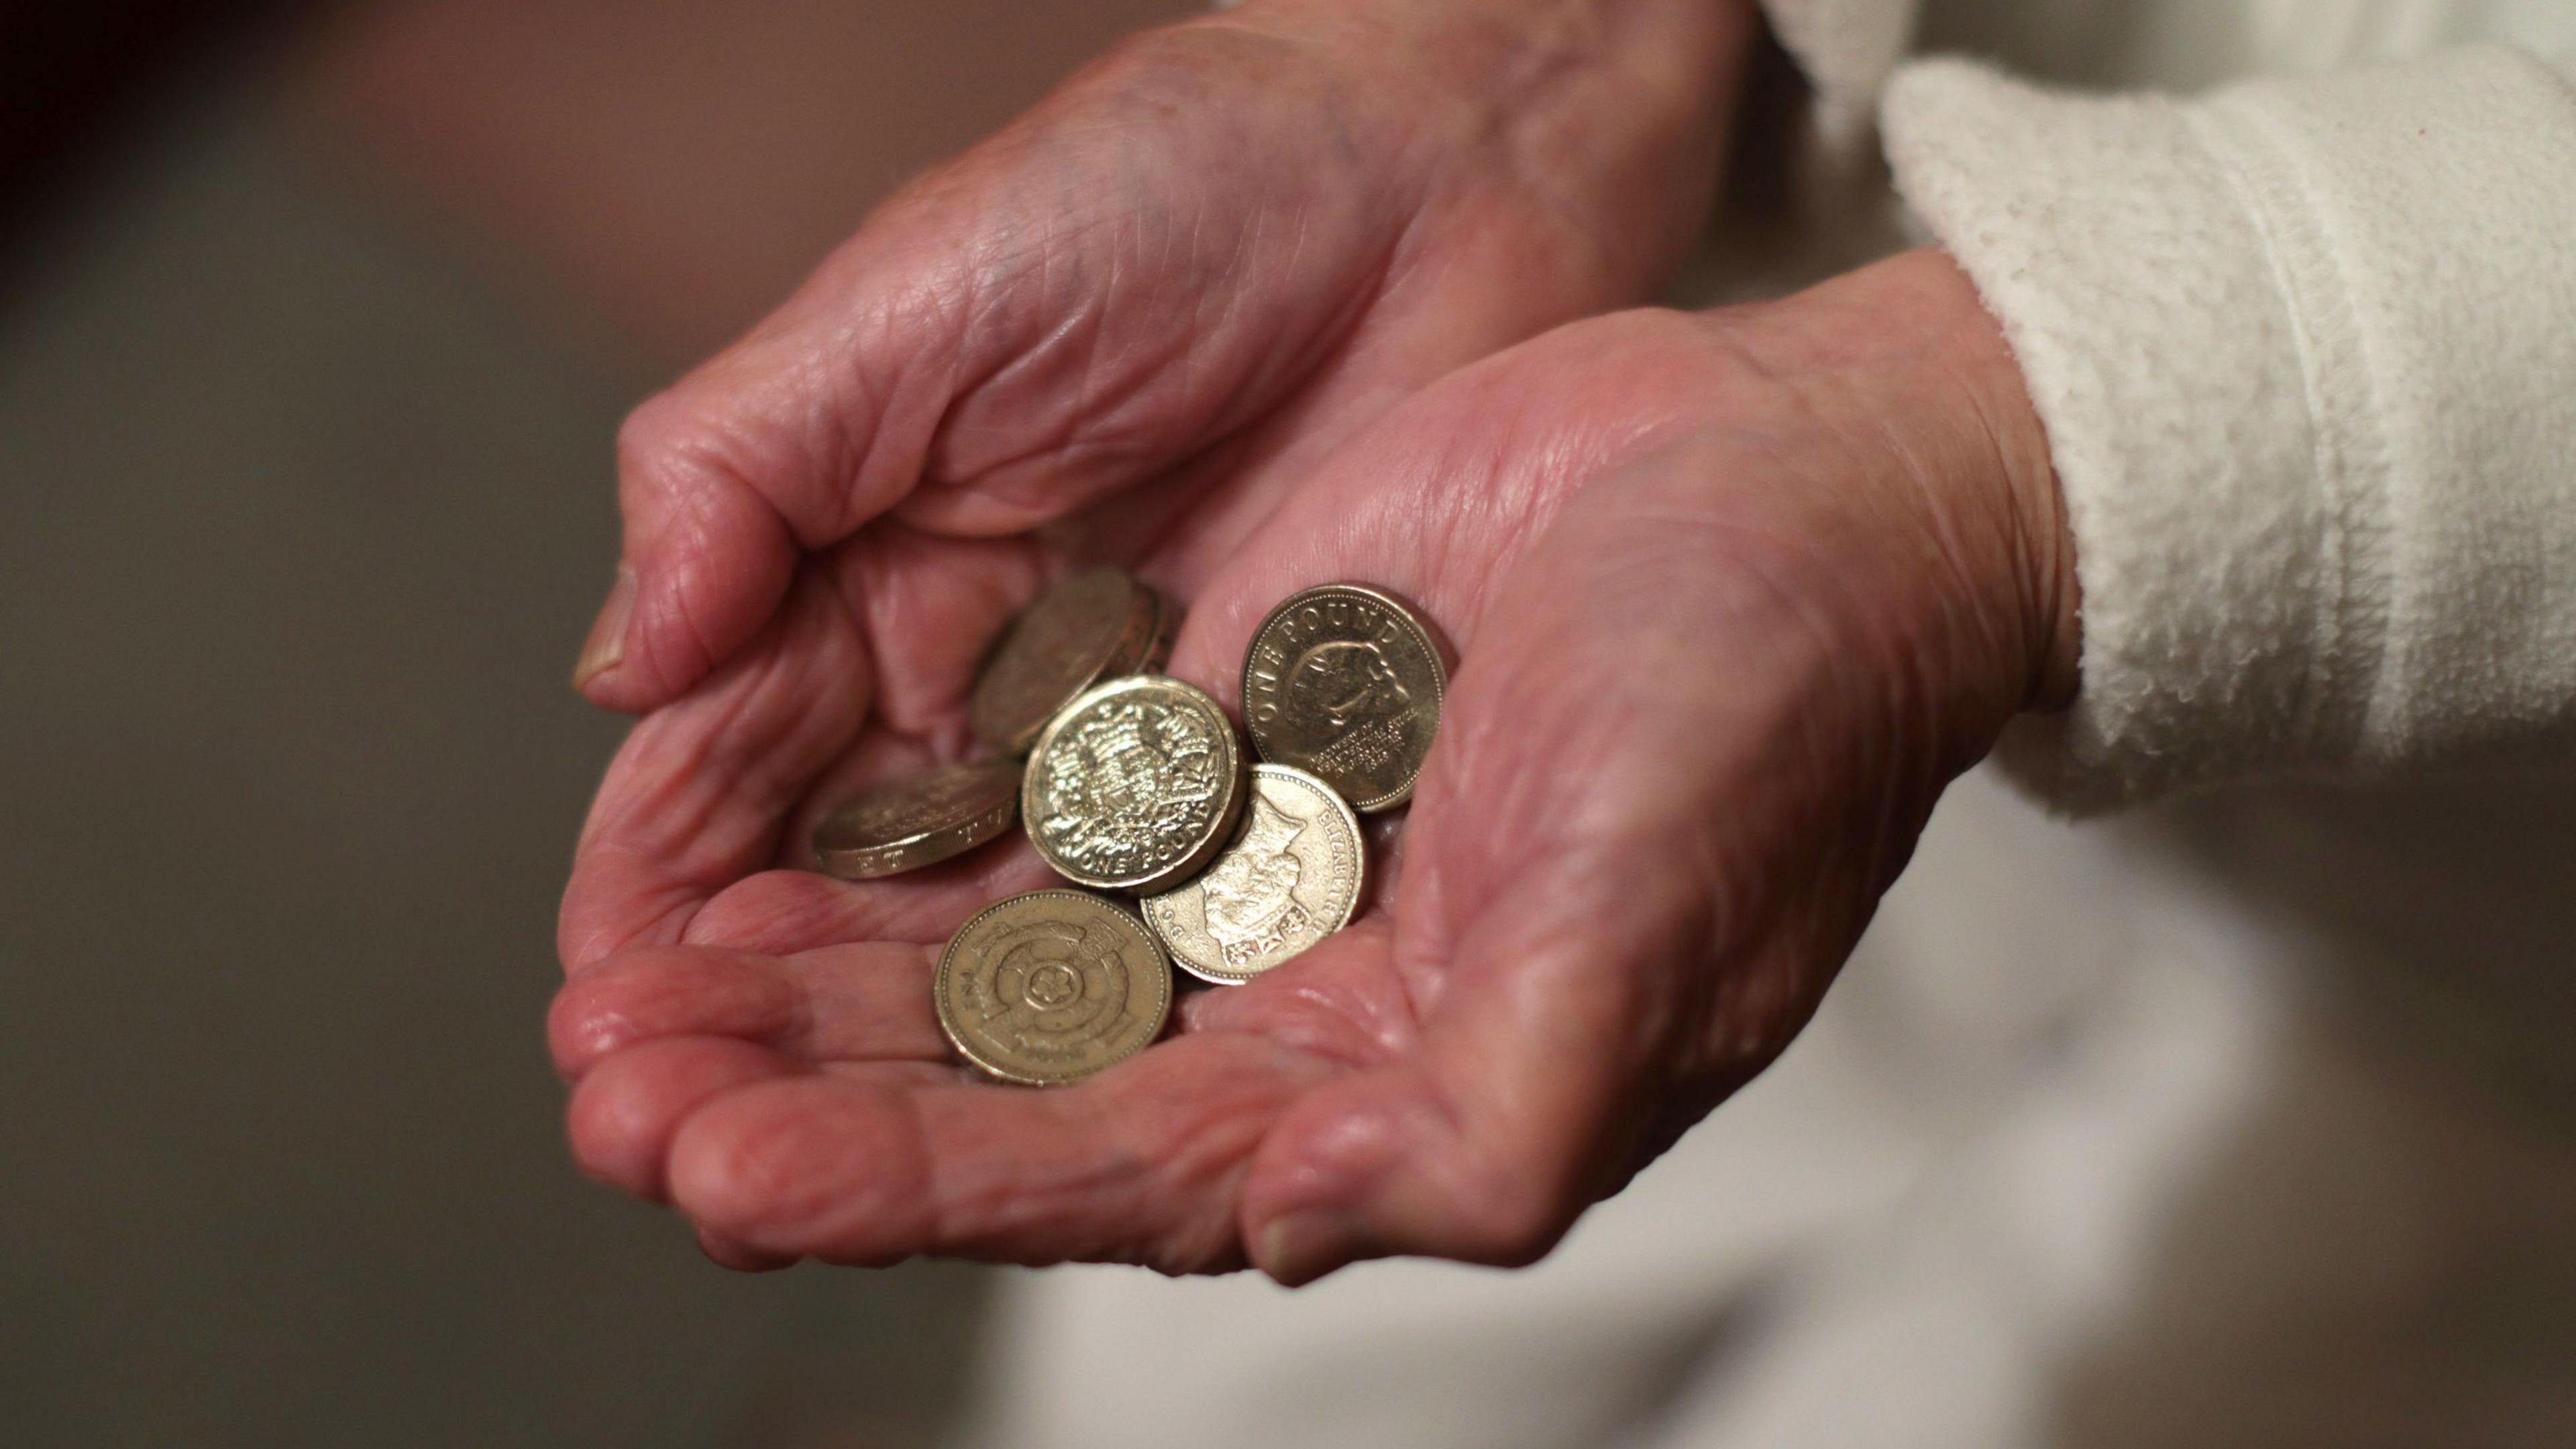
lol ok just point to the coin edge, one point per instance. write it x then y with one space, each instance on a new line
975 831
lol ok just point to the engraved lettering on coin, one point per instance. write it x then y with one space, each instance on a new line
917 820
1289 878
1086 627
1135 785
1051 986
1346 681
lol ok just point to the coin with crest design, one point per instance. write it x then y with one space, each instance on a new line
1095 624
1289 878
1345 681
1051 986
1135 786
916 820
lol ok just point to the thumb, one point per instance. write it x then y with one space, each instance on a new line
787 442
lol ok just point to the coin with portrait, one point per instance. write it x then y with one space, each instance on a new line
1346 681
1051 986
1091 625
919 819
1290 877
1135 786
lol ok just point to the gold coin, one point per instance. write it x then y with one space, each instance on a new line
1346 681
1086 627
1289 878
1135 786
1052 986
917 820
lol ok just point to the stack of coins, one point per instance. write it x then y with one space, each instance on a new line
1138 783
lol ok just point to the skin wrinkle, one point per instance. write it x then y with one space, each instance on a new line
690 535
715 769
1186 1154
991 1208
859 400
753 1186
1079 444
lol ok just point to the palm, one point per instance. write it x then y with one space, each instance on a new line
1660 808
1119 328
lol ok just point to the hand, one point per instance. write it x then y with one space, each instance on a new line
1737 594
1116 329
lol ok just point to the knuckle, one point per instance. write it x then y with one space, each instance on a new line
658 431
678 454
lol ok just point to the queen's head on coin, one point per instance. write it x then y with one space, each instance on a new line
1251 895
1346 684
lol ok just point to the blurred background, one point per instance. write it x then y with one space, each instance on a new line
315 325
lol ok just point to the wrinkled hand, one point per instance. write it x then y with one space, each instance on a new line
1736 595
1119 329
1169 286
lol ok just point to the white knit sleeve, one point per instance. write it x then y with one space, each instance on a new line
2306 354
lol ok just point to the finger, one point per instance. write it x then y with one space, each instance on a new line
866 1001
1516 1111
1338 1000
1078 303
696 795
929 607
669 991
784 911
621 1116
724 1252
1137 1165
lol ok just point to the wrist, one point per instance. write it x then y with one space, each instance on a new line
1914 368
2005 470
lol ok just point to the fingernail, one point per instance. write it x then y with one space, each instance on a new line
607 642
1300 1247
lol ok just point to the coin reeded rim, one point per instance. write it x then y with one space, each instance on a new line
1217 975
1435 647
1121 653
927 846
1220 829
948 956
1158 639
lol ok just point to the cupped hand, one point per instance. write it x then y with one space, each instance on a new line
1117 329
1736 595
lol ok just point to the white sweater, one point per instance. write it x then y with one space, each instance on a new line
2306 352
